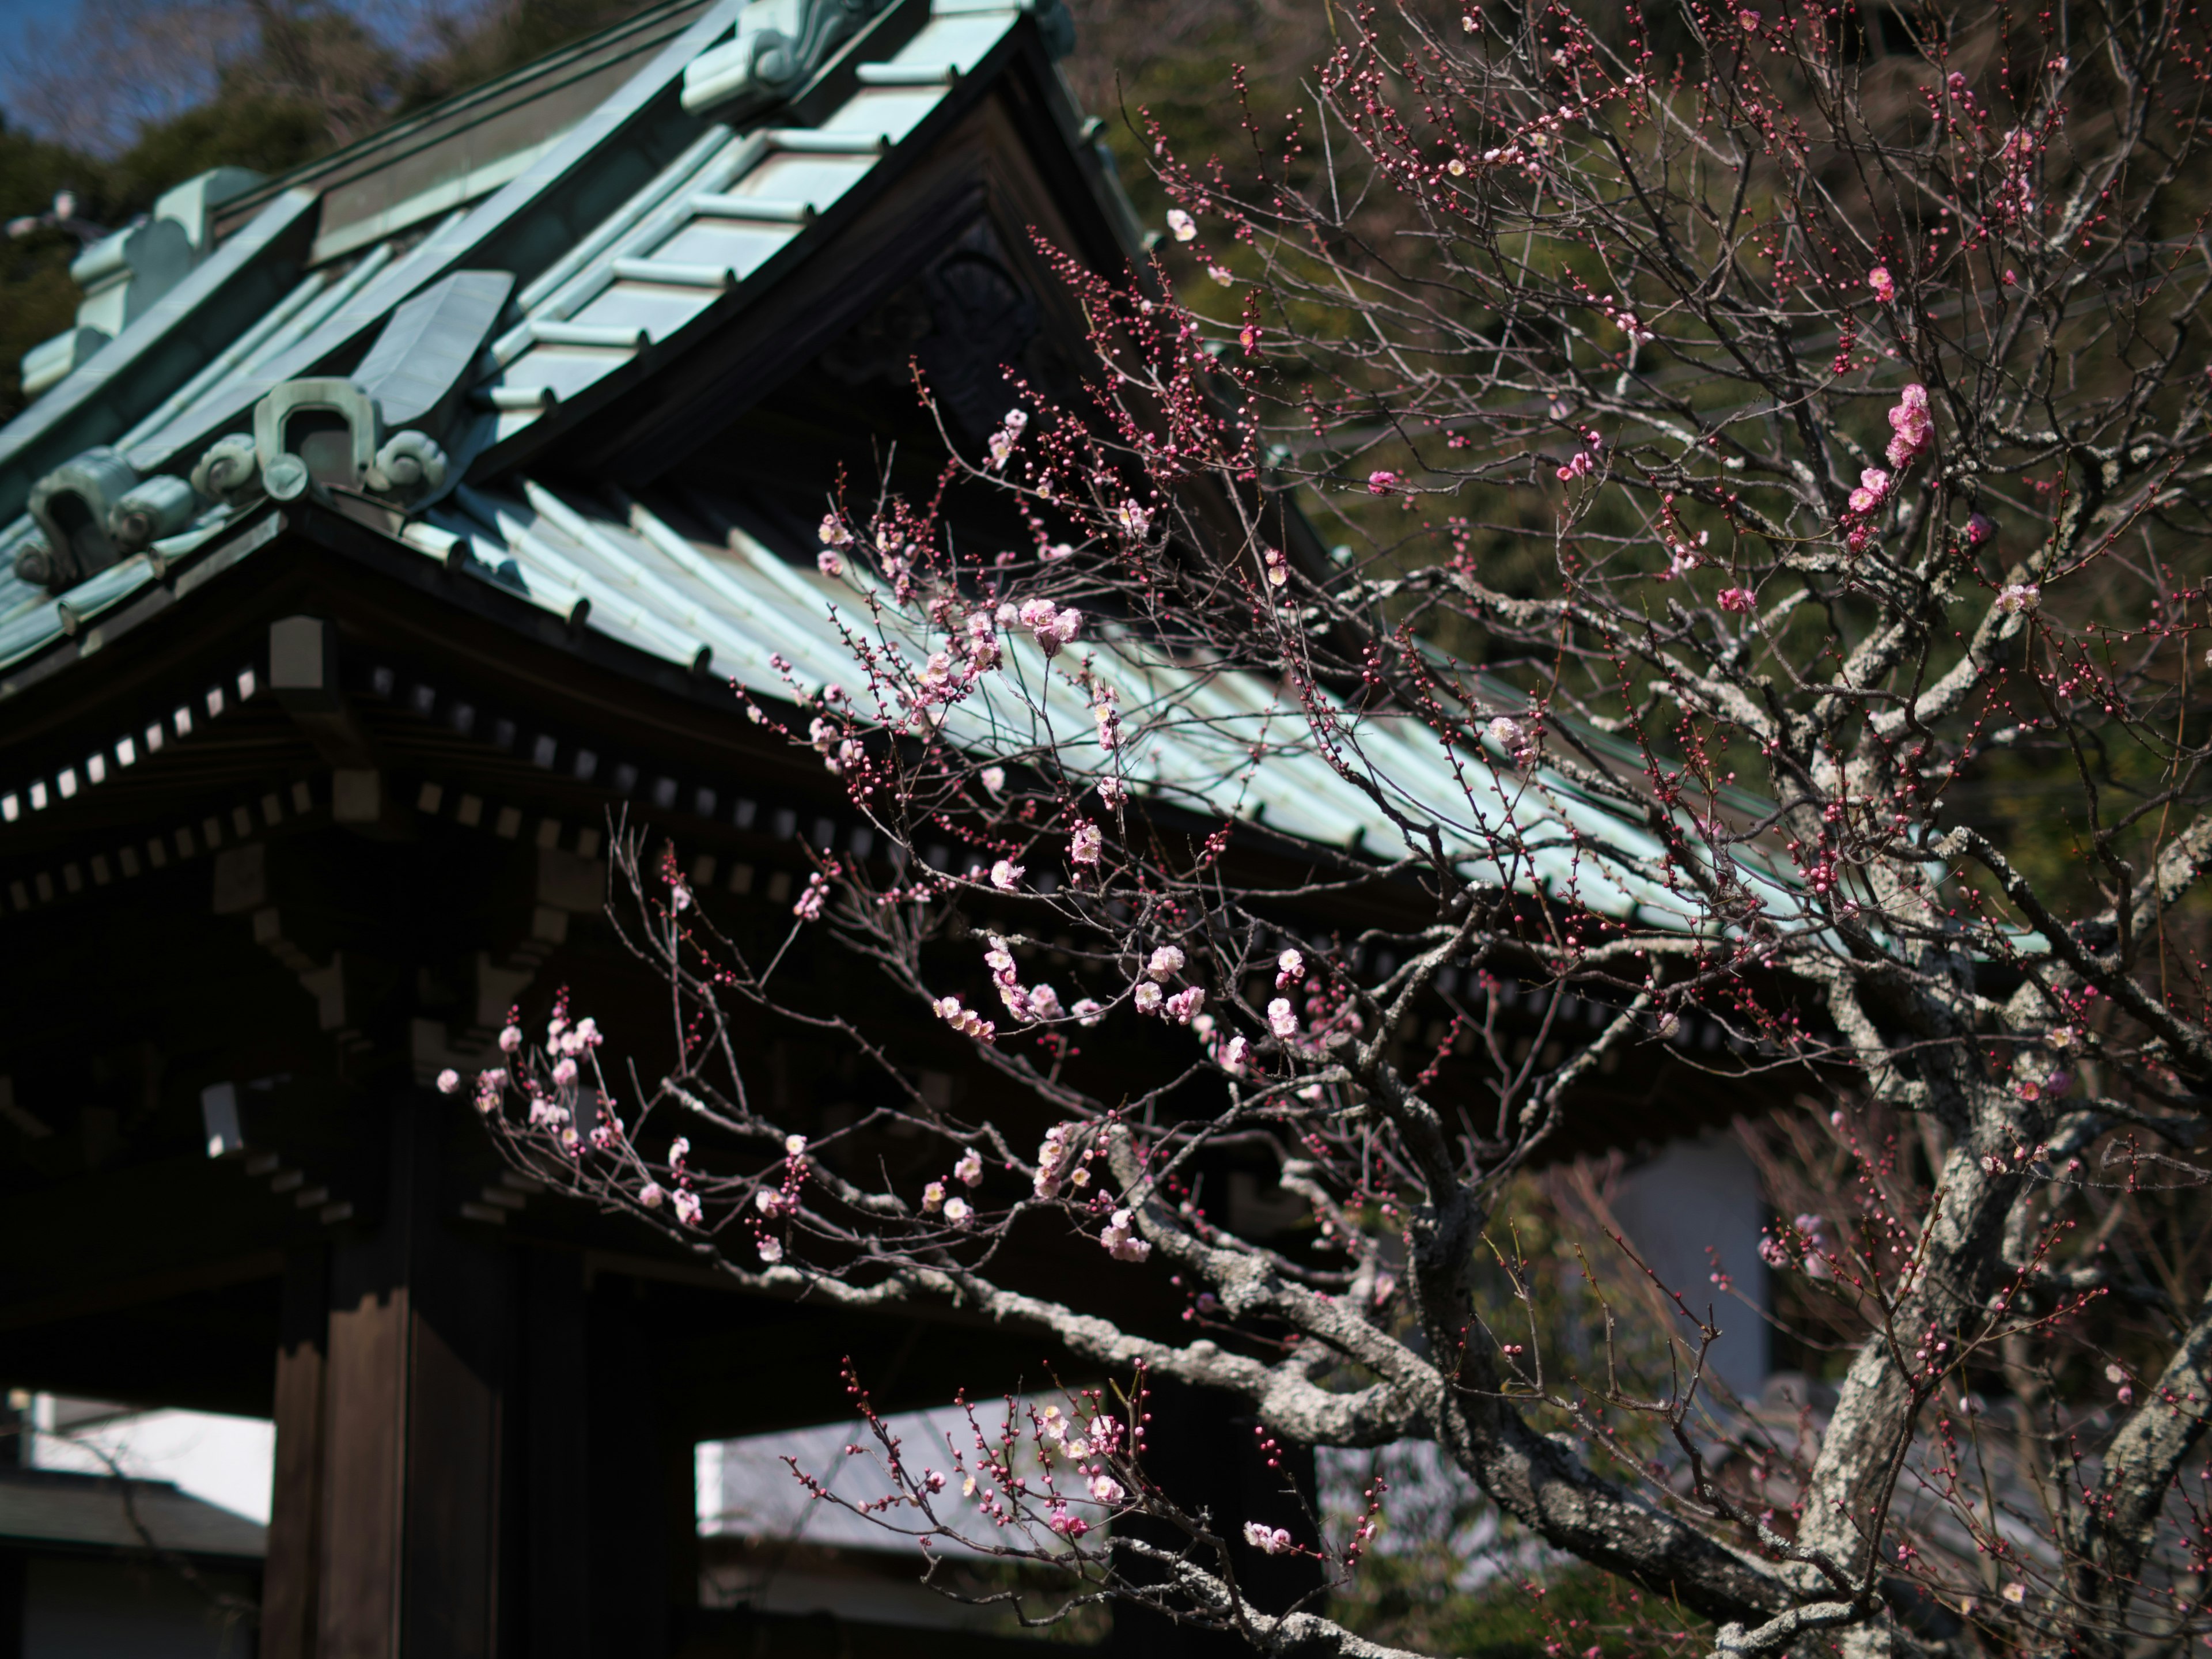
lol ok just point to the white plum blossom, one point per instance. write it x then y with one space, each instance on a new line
1268 1541
1053 1157
1282 1018
993 778
933 1197
510 1039
1105 1489
771 1250
651 1195
959 1211
449 1082
1110 790
2017 599
1088 1012
794 1145
1006 875
1135 522
686 1205
1289 968
1166 964
1120 1240
1181 223
1149 997
968 1171
564 1072
834 533
1237 1056
1044 1003
1083 846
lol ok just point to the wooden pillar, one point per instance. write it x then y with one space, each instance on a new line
552 1506
387 1523
288 1579
642 1536
1200 1446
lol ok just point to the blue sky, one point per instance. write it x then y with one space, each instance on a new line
14 14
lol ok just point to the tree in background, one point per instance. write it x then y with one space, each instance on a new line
131 97
1746 445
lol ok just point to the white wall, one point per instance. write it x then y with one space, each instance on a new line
1696 1193
226 1460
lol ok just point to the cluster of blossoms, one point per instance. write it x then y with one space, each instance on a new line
1268 1541
809 904
1108 717
831 560
1807 1241
1121 1238
1583 462
969 1172
1685 554
1618 313
1087 842
1009 434
1911 431
1181 1007
1052 626
1026 1003
1884 287
839 751
682 1200
965 1019
2017 599
1058 1164
1509 735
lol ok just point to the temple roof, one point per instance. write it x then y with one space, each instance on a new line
471 333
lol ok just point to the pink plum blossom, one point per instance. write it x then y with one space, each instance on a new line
1736 598
1083 846
1006 875
1878 279
1382 482
1874 484
449 1082
1289 968
968 1171
686 1205
1282 1018
651 1195
2017 599
1268 1541
1166 964
1121 1239
809 902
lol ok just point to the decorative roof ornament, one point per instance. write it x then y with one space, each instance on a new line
70 506
230 472
778 46
160 505
122 274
